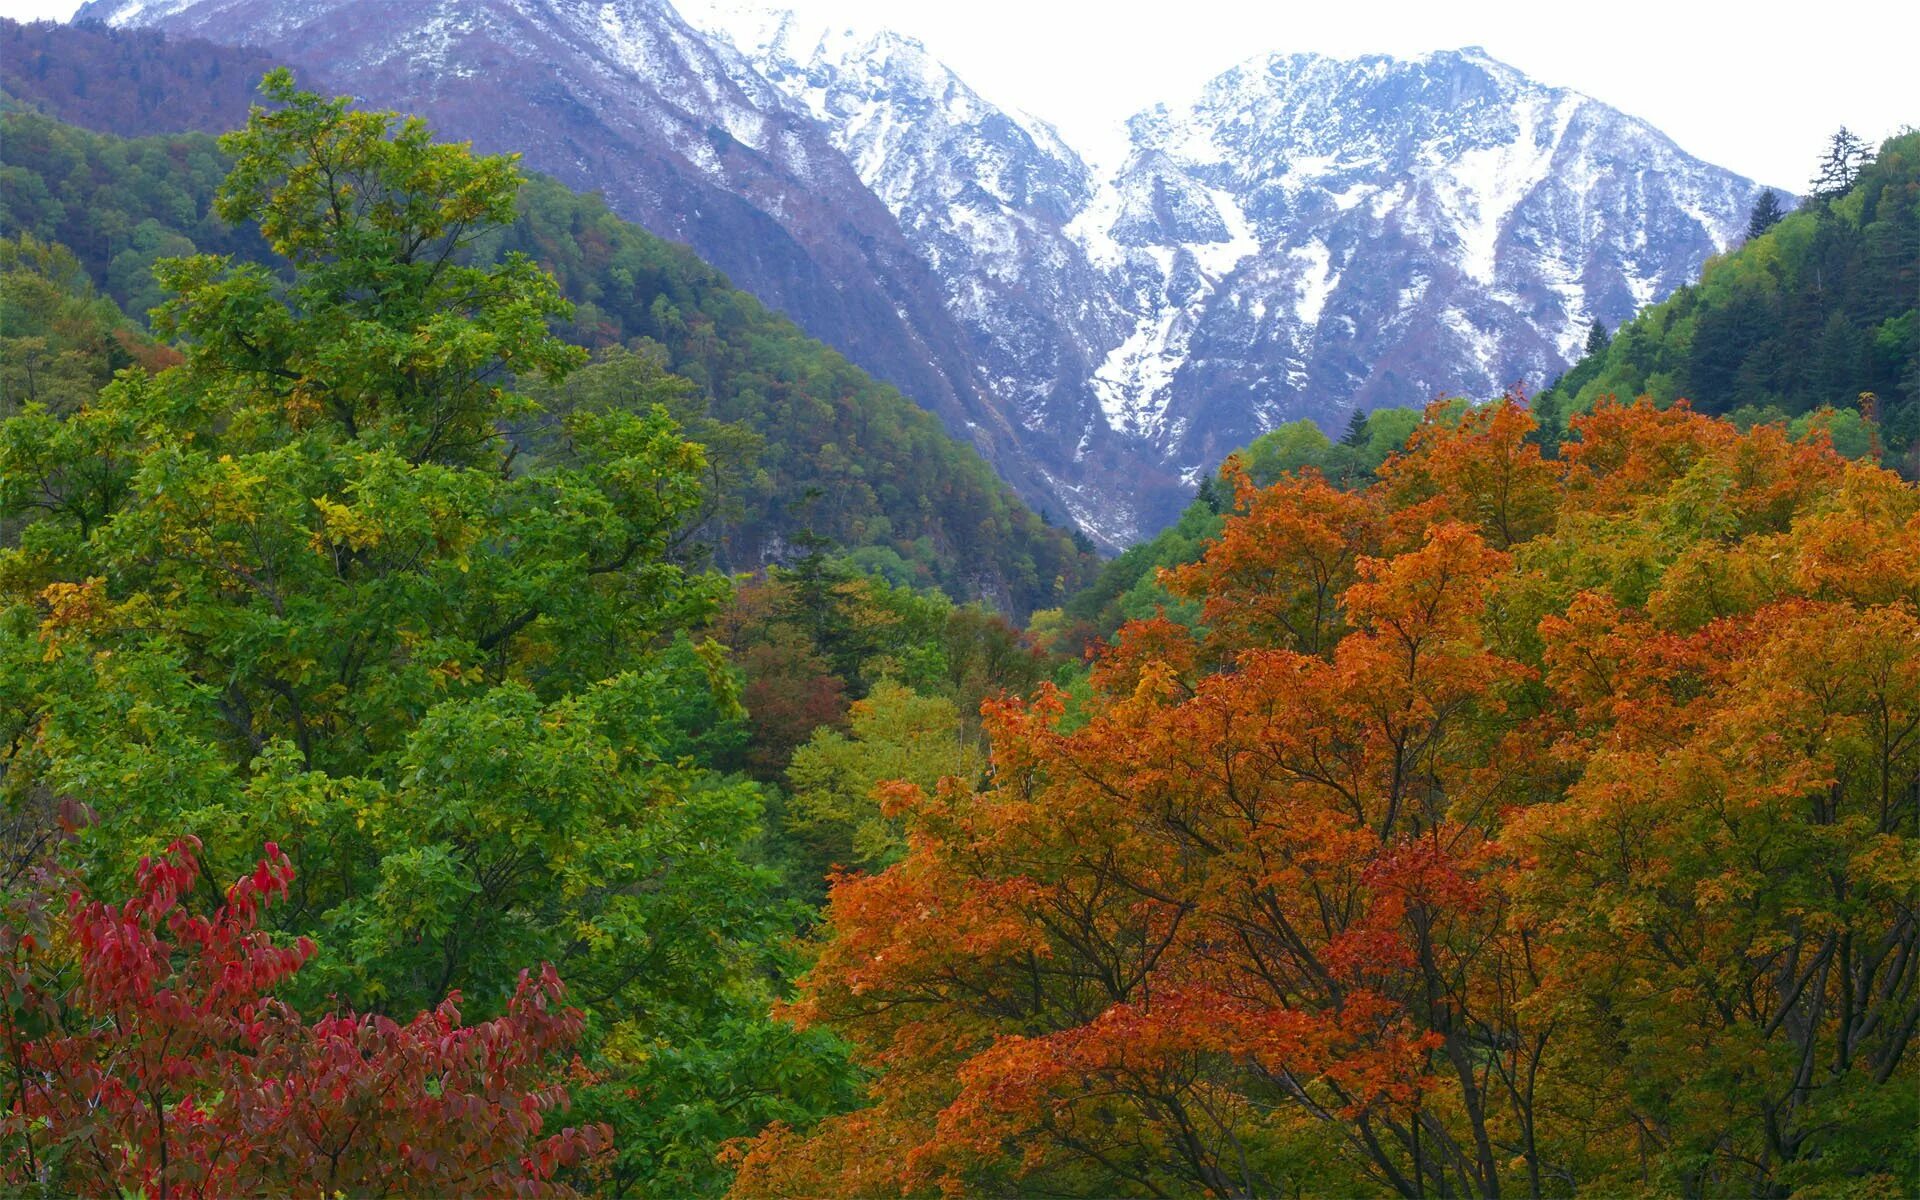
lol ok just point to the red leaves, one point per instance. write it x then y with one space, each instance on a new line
175 1072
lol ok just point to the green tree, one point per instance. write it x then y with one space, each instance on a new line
1208 494
1598 339
837 809
1289 448
60 342
1356 434
337 575
890 476
1765 215
1846 153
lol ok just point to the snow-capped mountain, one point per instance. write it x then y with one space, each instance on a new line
985 196
1311 234
1304 236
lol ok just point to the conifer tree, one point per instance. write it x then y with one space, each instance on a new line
1840 166
1356 434
1765 215
1209 494
1598 339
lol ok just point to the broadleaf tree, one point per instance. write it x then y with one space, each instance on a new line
337 577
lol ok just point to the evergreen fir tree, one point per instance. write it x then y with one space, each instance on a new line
1209 494
1765 215
1356 434
1840 166
1550 426
1598 339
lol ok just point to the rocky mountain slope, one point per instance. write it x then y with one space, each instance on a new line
986 197
1304 236
1311 234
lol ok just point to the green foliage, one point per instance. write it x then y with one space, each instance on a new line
794 414
1289 448
1815 309
302 583
117 203
1767 211
812 638
878 471
895 734
60 342
1298 445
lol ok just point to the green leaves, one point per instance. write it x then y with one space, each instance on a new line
333 576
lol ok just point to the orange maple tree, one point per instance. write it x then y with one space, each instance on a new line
1517 824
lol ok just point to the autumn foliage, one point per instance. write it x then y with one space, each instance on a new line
1519 824
146 1054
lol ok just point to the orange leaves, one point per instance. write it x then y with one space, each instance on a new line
1433 591
1275 576
1622 452
1216 879
1482 470
1155 650
1626 455
1492 805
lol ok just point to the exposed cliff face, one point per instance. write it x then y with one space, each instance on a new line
1304 236
1310 234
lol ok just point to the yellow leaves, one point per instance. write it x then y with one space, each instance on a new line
368 811
451 672
348 525
73 609
1886 861
628 1044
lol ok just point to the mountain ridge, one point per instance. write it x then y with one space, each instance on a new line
1240 251
1302 236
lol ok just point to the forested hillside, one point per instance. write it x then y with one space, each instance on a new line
1511 824
827 450
1814 309
399 796
353 581
129 81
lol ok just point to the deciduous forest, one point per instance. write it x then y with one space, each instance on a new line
487 709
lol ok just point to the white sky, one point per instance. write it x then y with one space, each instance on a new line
1750 86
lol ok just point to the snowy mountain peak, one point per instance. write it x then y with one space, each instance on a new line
1308 233
1300 236
832 68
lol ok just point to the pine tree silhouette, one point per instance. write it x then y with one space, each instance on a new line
1765 215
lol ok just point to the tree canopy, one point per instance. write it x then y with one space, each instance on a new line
1514 824
312 582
